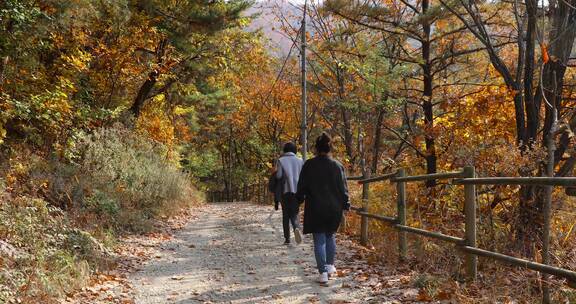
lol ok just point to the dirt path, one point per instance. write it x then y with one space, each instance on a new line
233 253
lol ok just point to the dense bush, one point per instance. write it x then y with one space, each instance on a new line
128 179
57 215
37 253
119 180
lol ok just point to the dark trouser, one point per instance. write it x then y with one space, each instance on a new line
290 210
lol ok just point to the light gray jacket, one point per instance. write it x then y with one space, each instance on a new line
288 170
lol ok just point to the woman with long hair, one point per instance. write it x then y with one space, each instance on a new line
323 187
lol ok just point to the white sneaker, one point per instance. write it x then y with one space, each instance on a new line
330 269
297 235
323 279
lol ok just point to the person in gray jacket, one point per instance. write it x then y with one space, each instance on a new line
288 169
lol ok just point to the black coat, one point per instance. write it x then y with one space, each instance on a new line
323 186
275 187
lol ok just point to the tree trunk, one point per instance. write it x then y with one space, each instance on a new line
148 85
427 105
431 158
519 115
3 64
532 119
377 140
346 121
348 137
563 34
143 93
529 225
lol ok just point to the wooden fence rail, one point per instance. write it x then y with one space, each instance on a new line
468 179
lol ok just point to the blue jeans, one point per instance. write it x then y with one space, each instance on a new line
324 250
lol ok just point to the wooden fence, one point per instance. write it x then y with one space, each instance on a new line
468 180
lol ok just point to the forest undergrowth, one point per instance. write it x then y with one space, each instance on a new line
59 219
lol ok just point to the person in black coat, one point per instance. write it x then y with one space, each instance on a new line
323 187
275 187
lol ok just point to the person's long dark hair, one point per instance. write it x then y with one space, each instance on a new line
323 144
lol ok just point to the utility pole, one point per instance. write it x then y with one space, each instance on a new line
304 135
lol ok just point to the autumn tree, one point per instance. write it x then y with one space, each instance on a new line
185 27
407 29
538 82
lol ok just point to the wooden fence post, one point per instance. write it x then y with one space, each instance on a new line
401 215
365 201
547 210
470 226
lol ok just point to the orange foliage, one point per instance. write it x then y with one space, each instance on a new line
156 124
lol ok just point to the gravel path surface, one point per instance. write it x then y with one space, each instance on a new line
233 253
